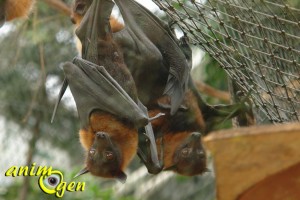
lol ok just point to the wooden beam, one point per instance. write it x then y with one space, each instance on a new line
244 157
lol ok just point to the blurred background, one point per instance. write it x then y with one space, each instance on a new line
30 78
31 53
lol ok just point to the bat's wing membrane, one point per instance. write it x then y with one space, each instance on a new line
94 89
144 24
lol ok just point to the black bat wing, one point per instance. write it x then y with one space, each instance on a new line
94 89
147 150
145 24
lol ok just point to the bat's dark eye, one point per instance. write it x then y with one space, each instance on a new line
185 152
80 8
109 155
200 153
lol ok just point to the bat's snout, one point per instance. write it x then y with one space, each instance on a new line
196 135
104 138
194 142
102 135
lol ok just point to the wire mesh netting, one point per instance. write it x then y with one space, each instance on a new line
255 41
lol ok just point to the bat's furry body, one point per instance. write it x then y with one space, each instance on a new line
150 78
106 98
122 133
123 136
11 9
178 138
80 7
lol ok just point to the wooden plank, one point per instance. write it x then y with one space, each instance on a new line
281 186
243 157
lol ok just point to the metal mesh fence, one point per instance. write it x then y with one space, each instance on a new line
257 42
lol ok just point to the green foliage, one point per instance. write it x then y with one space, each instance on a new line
93 190
29 56
30 53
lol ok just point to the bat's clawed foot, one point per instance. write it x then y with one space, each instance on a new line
214 115
156 117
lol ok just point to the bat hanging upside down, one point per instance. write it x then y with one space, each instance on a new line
182 150
160 66
106 98
178 139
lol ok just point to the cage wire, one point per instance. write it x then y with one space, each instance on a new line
255 41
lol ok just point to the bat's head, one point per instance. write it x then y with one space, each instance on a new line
79 9
110 143
186 155
105 158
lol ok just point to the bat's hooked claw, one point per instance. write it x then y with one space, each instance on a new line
156 117
81 172
61 94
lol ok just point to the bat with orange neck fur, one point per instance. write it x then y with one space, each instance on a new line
109 152
11 9
106 98
178 139
177 130
80 7
148 47
180 130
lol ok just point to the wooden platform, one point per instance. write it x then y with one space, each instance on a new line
257 163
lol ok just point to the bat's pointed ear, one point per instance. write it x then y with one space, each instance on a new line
83 171
121 177
61 94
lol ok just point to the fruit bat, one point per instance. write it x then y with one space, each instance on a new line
80 7
149 47
102 85
178 138
11 9
183 153
156 52
144 58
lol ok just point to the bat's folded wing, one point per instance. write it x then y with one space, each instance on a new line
147 150
142 22
94 89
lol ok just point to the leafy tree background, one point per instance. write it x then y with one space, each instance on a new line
31 52
30 55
